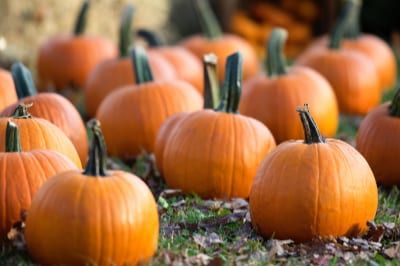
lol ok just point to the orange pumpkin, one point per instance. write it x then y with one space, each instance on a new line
324 185
377 141
132 115
222 45
114 73
216 153
38 133
22 173
67 60
7 89
50 106
272 98
107 217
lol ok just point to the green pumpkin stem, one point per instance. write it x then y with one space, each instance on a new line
97 162
311 131
232 85
80 23
276 61
125 31
13 141
21 111
141 66
394 107
340 27
211 83
207 19
150 37
24 84
353 30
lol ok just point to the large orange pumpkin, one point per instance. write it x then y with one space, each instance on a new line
7 89
96 217
132 115
22 173
38 133
316 187
50 106
214 41
116 72
67 60
216 153
377 141
273 98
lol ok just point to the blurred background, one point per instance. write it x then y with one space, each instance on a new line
25 24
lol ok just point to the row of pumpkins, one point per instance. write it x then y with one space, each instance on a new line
151 101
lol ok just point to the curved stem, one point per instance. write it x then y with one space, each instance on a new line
211 83
150 37
276 61
394 107
80 23
353 29
125 31
232 84
24 84
21 111
13 141
141 66
311 131
337 33
96 165
207 19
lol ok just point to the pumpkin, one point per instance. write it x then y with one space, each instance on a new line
211 101
67 60
351 74
23 172
107 217
186 65
38 133
215 154
132 115
222 45
324 185
116 72
50 106
7 90
272 98
377 141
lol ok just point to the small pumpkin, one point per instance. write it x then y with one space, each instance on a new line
132 115
324 185
216 153
221 44
7 89
377 141
272 98
22 173
116 72
50 106
107 217
38 133
67 60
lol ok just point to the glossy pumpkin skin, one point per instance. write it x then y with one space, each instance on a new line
112 74
60 112
68 60
132 115
7 89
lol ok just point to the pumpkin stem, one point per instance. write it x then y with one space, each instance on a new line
141 66
24 84
125 28
13 141
311 131
394 107
276 61
341 25
232 85
80 22
353 29
96 165
207 19
211 83
150 37
21 111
